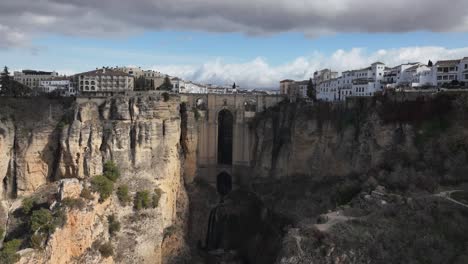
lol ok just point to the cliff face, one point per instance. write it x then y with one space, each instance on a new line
371 137
139 134
374 165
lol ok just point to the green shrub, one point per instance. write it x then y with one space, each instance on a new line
37 240
114 224
122 194
106 250
142 200
86 194
60 218
27 204
41 220
111 171
103 186
74 203
156 197
8 253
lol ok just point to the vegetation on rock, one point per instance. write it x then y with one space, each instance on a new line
27 204
106 249
114 224
103 186
8 253
142 200
123 195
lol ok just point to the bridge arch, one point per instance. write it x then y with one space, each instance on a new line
225 137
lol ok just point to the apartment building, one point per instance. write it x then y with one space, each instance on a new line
63 85
285 86
446 71
104 81
32 78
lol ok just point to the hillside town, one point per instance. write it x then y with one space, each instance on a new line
324 85
107 81
328 85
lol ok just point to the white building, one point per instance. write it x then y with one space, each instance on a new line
463 70
446 71
362 82
328 90
103 82
182 86
63 85
33 78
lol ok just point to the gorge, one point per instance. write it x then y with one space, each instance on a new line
300 183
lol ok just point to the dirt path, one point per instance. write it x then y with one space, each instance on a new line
446 195
333 219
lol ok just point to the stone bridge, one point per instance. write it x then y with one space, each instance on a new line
225 142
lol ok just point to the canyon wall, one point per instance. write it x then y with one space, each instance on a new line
356 181
376 137
55 141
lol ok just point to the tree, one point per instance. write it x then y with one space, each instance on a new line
5 82
311 90
429 63
234 86
167 85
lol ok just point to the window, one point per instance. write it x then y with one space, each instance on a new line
466 66
466 76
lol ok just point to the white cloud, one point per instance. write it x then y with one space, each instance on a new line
252 17
258 73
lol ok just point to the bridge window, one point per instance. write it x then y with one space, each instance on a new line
225 127
250 105
200 104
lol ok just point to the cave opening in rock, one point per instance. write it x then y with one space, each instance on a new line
225 128
224 183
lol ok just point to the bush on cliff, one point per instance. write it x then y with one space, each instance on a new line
86 194
27 204
74 203
103 186
8 253
114 224
42 220
106 250
142 200
122 194
37 241
111 171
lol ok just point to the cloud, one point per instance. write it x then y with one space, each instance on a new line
24 19
259 74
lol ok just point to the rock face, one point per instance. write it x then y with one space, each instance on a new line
382 139
140 135
349 152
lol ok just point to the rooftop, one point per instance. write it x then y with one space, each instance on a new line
105 72
33 72
447 63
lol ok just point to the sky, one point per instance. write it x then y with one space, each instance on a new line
255 43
